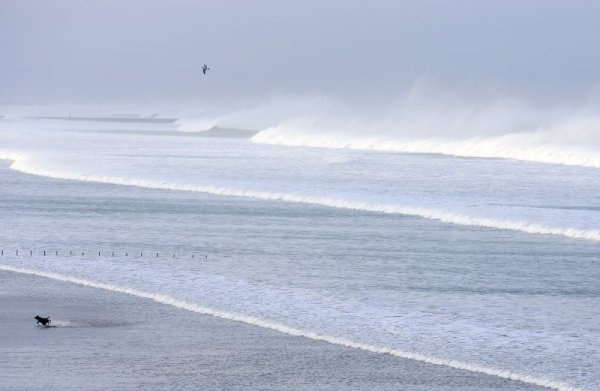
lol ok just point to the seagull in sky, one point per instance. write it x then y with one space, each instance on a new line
205 68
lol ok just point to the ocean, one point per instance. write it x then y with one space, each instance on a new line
481 261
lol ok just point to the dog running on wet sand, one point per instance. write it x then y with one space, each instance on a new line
43 321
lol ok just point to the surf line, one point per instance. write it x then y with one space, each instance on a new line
282 328
430 214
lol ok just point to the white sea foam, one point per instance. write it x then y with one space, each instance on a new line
427 121
64 323
276 326
535 146
559 144
23 164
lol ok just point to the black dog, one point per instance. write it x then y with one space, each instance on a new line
43 321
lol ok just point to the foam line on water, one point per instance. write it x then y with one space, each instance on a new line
442 216
282 328
426 122
517 147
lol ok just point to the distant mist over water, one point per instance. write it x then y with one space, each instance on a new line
507 79
152 52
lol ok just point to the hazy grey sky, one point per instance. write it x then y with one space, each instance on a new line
108 50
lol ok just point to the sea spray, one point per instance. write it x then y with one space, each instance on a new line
534 147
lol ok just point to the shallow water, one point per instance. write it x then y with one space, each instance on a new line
500 299
102 340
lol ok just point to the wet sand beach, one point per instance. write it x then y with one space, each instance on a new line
105 340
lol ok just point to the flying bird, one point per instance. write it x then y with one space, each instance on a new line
205 68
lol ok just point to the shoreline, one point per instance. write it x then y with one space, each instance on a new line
180 349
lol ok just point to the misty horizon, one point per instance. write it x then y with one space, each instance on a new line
153 51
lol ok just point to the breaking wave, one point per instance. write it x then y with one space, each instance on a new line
282 328
434 122
522 146
21 164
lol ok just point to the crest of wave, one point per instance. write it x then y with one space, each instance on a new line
271 112
503 128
